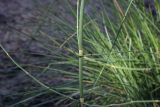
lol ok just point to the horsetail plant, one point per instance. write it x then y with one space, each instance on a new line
80 12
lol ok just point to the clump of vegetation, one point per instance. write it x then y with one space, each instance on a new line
121 59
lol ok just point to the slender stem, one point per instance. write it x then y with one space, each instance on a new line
80 12
81 25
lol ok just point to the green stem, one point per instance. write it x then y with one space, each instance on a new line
80 13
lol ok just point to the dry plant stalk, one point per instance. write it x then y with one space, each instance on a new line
118 7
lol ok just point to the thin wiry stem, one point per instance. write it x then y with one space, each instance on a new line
126 103
80 12
120 28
